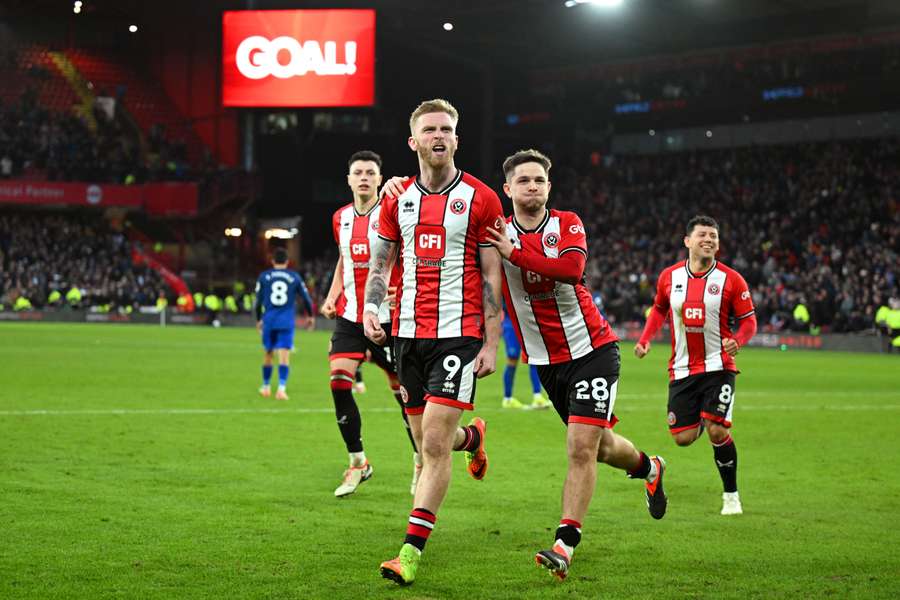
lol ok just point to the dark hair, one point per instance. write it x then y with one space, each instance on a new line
701 220
364 155
279 256
525 156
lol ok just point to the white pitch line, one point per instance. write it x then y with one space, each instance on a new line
233 411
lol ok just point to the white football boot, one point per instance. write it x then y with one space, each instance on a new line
731 504
353 476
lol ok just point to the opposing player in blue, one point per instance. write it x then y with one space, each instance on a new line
513 353
276 295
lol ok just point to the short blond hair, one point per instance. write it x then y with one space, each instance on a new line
437 105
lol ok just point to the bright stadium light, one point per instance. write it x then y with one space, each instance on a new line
448 26
601 3
76 9
132 28
280 233
233 232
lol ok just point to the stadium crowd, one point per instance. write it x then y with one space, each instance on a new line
815 224
38 143
44 257
694 77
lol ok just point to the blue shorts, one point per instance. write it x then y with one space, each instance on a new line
513 349
277 338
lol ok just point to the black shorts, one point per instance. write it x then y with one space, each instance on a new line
349 341
584 390
702 396
436 370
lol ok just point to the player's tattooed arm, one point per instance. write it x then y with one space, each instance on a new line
382 262
491 282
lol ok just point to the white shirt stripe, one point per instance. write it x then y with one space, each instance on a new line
712 334
450 296
676 301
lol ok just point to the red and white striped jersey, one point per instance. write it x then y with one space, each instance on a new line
556 322
699 307
355 235
439 236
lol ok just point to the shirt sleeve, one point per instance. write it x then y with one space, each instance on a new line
304 294
741 299
567 269
257 300
491 215
388 227
572 235
746 330
335 226
661 301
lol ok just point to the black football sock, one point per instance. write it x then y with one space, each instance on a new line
726 460
346 411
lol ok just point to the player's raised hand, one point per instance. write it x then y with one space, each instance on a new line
328 309
393 187
730 346
500 240
373 328
485 362
641 350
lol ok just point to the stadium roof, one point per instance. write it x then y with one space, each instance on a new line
542 33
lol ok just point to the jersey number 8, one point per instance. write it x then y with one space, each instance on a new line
279 296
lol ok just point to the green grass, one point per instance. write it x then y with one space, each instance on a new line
156 472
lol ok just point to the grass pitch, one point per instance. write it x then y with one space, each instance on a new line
138 462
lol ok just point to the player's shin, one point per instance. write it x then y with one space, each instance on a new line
725 455
347 413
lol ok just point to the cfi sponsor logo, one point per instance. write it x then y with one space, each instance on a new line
258 57
671 418
551 240
576 229
745 295
458 207
713 289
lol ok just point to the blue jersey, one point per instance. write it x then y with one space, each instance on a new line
276 294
